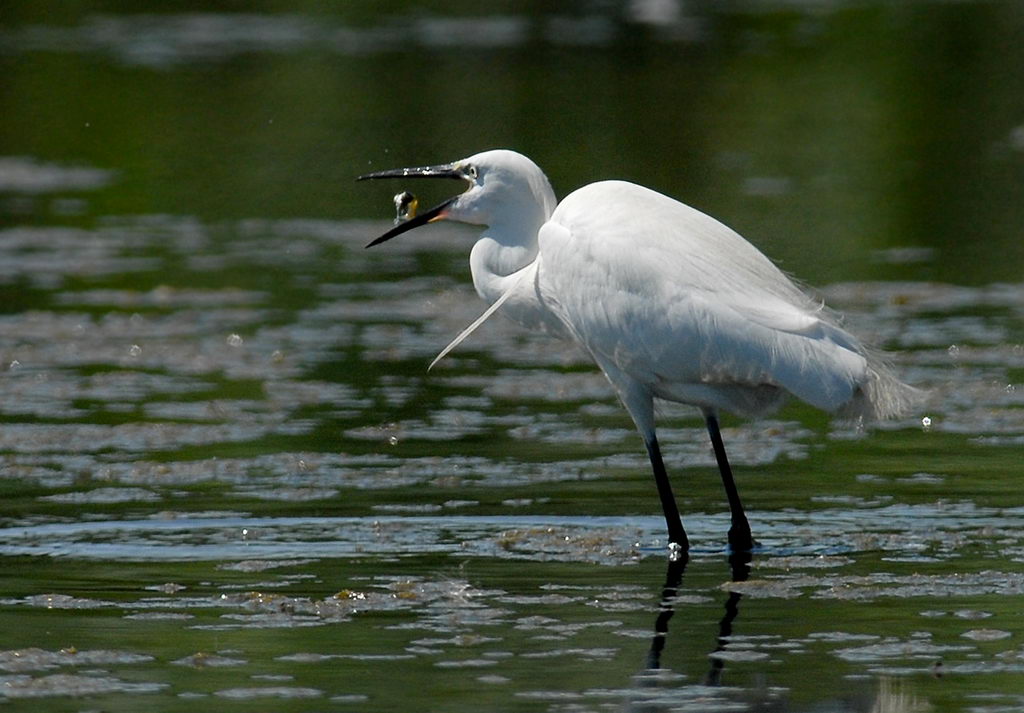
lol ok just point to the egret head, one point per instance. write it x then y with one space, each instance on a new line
501 185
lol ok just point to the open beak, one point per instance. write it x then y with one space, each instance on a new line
438 212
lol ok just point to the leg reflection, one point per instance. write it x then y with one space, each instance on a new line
739 563
673 578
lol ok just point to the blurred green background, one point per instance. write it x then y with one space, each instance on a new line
820 130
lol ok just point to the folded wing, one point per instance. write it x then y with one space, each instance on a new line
686 306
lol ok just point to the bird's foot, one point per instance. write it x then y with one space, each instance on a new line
740 540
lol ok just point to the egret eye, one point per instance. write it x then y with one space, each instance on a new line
471 172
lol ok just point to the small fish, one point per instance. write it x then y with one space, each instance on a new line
405 206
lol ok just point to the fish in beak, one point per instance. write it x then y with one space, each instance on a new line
438 212
405 206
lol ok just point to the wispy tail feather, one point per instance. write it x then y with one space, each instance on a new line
530 269
882 396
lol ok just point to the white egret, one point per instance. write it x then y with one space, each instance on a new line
669 303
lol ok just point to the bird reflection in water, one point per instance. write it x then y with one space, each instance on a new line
883 694
739 564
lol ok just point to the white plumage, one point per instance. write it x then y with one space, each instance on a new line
669 302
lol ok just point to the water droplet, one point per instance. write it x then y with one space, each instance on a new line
135 351
953 351
393 440
235 340
1010 388
14 364
926 422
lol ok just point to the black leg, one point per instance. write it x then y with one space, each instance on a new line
676 533
740 539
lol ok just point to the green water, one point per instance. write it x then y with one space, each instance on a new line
227 480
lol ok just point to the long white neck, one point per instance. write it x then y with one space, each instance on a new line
513 198
501 250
